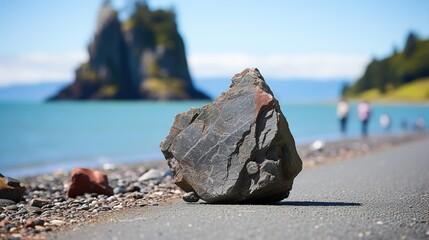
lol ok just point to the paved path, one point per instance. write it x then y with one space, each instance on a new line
381 196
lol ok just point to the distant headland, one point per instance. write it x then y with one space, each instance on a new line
142 57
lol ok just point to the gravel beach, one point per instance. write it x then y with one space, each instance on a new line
46 207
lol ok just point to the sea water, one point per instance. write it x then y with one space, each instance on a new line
37 137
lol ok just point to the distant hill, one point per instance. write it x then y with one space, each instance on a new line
384 78
142 57
29 92
290 90
285 90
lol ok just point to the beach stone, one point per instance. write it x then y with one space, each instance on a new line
190 197
85 180
120 189
111 199
83 207
152 174
11 207
58 222
33 222
34 210
40 228
133 188
6 202
11 189
237 149
38 202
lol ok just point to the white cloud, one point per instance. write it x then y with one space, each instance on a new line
39 67
314 66
47 67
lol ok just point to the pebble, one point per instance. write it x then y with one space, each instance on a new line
5 202
39 222
120 189
57 222
83 207
38 202
133 189
191 197
151 174
40 228
9 226
109 166
35 210
34 231
111 199
30 223
11 207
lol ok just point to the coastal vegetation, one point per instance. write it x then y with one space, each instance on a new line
403 76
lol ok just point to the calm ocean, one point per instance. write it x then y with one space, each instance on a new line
42 137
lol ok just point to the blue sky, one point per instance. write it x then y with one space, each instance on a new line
45 40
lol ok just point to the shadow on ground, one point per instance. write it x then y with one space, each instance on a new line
318 204
293 203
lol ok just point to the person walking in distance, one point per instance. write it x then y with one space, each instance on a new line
343 114
364 112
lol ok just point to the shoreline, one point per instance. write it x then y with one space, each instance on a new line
64 213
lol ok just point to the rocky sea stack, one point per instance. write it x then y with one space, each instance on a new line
142 57
237 149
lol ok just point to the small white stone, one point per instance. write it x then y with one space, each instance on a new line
318 145
109 166
151 174
111 199
379 223
57 222
40 228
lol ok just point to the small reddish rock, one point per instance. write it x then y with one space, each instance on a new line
85 180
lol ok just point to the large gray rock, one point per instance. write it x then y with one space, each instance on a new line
237 149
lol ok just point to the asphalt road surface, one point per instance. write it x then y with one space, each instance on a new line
382 196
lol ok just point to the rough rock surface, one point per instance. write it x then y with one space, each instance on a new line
88 181
11 189
237 149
